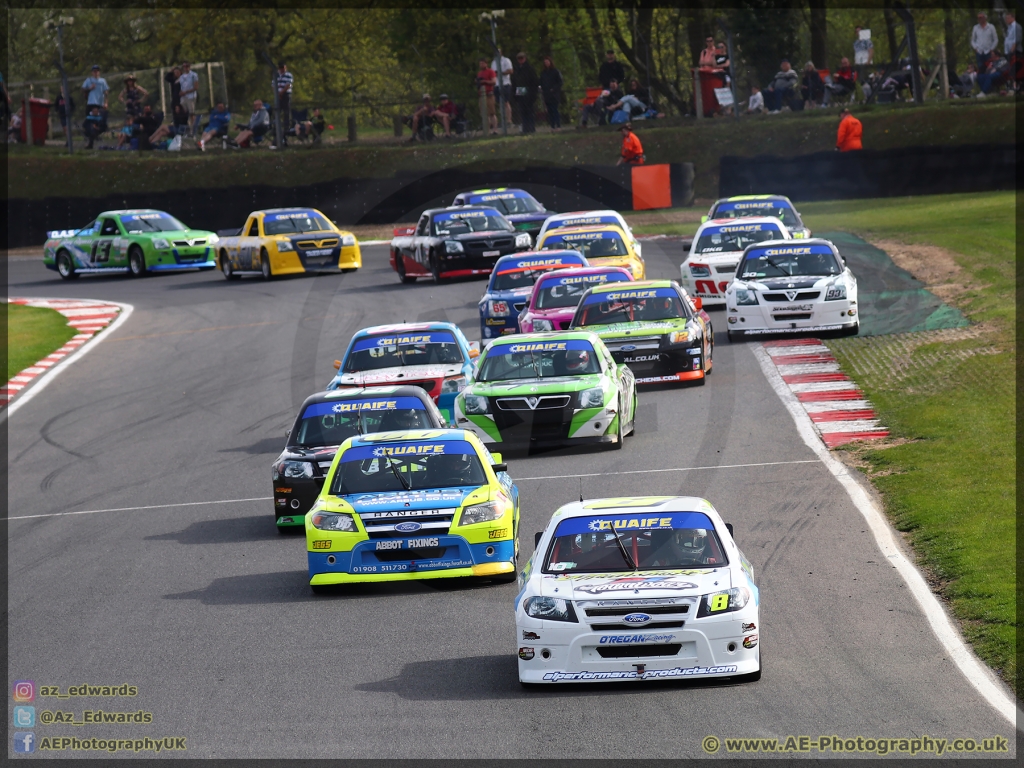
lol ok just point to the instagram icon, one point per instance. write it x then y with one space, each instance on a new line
24 691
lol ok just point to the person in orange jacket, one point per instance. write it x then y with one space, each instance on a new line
632 151
850 131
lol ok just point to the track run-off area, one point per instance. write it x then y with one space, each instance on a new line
142 551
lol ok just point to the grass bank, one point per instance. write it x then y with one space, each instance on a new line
32 334
948 476
36 173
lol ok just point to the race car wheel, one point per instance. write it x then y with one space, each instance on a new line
136 262
65 267
733 337
435 269
265 269
400 270
226 269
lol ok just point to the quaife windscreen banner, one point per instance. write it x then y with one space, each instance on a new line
368 404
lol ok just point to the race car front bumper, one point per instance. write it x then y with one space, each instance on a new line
566 652
814 317
549 426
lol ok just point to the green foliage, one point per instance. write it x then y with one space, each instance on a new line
32 334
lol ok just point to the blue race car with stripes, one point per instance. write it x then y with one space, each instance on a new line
518 206
509 288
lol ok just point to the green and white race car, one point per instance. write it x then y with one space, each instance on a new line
548 388
134 242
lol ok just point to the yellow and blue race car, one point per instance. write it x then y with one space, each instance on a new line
414 504
603 246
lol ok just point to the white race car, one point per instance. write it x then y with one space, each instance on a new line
591 219
792 286
647 588
716 250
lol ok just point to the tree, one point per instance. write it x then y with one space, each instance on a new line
819 34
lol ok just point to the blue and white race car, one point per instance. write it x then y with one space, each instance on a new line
591 219
512 280
436 357
742 206
518 206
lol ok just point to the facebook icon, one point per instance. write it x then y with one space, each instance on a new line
24 742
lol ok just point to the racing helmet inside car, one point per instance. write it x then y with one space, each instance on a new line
405 418
577 360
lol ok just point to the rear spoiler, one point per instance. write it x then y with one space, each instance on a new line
229 232
404 231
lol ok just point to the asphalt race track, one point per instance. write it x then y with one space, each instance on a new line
207 610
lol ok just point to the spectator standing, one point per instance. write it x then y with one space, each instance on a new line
131 96
1012 41
610 70
710 78
756 103
220 120
526 84
283 85
172 78
848 138
781 89
258 125
488 78
64 110
811 87
983 40
632 151
95 88
551 89
189 82
502 65
863 50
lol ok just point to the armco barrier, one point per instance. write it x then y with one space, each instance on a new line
897 172
401 197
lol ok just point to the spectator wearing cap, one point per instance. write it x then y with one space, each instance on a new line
526 85
551 89
283 83
781 89
189 82
848 137
131 96
983 40
95 89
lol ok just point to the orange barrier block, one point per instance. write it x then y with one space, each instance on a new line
652 187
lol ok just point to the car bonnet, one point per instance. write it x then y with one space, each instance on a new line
641 584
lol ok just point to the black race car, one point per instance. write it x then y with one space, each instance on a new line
454 242
325 421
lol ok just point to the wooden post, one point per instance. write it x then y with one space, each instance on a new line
50 118
944 73
209 79
163 91
27 117
698 100
397 124
351 127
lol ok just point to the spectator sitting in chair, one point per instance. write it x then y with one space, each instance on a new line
126 134
426 111
756 103
149 126
178 126
94 125
220 120
258 125
996 69
313 128
599 108
811 87
781 89
625 108
842 82
14 129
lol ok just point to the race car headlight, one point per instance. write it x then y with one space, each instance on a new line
453 246
482 513
835 292
498 308
334 521
347 240
543 325
455 384
592 398
212 240
160 244
295 469
474 404
523 239
678 337
284 245
734 599
700 270
745 297
550 609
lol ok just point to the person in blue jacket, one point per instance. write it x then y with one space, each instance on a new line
220 120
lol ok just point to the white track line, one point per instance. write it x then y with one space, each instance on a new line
44 381
976 672
133 509
668 469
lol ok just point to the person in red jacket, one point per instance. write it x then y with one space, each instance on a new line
632 151
850 131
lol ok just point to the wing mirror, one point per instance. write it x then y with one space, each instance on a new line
703 219
499 468
474 350
728 527
536 538
698 304
337 365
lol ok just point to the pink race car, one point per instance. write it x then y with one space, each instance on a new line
556 294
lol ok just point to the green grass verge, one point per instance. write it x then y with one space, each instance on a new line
32 334
949 397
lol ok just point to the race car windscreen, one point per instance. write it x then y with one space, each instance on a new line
629 306
508 203
466 222
407 466
332 423
393 350
141 223
564 292
734 238
524 273
647 540
777 208
294 222
592 245
806 261
538 360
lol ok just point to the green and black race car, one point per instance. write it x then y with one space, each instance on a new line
133 242
548 388
652 326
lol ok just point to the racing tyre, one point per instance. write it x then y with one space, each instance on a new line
733 337
265 269
226 268
435 269
65 267
400 271
136 262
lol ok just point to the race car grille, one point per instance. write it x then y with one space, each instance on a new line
381 525
638 651
654 610
304 244
425 553
723 269
477 247
638 342
540 403
801 296
794 316
648 625
188 243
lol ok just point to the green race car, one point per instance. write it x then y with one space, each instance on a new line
652 326
135 242
536 388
